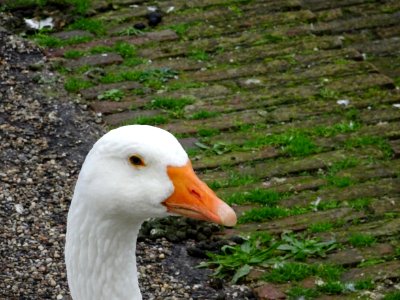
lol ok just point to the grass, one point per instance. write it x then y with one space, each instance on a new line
392 296
204 114
113 95
295 271
332 288
320 227
180 29
207 132
152 78
73 84
198 55
153 120
78 6
96 27
46 40
299 292
361 240
169 103
263 214
234 179
340 182
363 141
366 284
71 54
261 196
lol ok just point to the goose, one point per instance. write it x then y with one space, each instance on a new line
132 173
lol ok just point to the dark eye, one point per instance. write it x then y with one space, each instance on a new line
136 161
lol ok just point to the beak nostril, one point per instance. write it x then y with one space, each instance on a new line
195 193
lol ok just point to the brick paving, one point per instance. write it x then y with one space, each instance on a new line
243 71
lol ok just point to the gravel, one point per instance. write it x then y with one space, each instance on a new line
44 137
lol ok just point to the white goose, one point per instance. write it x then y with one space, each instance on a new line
132 173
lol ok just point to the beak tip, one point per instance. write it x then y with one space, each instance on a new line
228 216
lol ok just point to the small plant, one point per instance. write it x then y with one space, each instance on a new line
124 49
207 132
340 182
325 93
360 203
131 32
180 29
113 94
262 214
302 248
236 261
361 240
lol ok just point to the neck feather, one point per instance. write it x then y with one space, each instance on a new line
100 256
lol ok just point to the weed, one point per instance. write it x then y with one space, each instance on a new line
153 120
100 49
299 292
74 85
132 61
94 26
320 227
302 247
113 94
361 240
204 114
237 260
178 85
261 196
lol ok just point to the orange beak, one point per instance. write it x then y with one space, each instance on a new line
194 199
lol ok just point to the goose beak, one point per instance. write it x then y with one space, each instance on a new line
194 199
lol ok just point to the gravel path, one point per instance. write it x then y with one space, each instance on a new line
44 137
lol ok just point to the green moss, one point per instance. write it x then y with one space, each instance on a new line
360 203
46 40
340 182
361 240
234 179
180 29
363 141
125 49
329 131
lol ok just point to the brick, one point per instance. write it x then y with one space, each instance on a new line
103 59
65 35
93 92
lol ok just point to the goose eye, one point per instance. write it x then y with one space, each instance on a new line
136 161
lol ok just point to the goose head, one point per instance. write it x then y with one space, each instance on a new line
137 172
132 173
